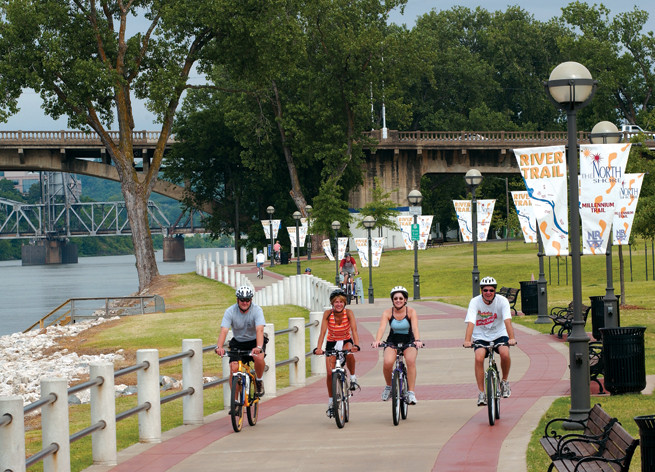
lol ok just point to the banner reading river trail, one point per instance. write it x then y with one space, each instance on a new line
602 167
485 210
544 172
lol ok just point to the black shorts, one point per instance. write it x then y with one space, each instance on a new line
329 345
398 338
244 346
502 339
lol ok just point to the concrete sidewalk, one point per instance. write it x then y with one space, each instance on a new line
445 431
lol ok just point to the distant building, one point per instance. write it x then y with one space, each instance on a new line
57 180
22 180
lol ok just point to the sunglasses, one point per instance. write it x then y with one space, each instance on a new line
248 300
488 290
399 298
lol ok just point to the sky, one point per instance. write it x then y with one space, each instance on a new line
32 118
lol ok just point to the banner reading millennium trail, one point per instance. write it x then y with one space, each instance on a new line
544 172
464 217
626 204
528 222
601 170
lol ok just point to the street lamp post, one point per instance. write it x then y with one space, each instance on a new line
571 87
336 226
369 222
308 209
473 178
542 284
415 198
270 210
603 133
296 216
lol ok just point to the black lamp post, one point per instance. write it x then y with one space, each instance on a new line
473 178
308 209
296 216
571 87
542 284
415 198
602 133
270 210
368 223
336 226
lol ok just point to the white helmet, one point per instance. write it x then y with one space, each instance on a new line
244 293
401 289
488 281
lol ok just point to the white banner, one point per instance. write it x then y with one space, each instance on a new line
302 233
485 209
276 227
626 204
544 172
602 167
327 249
343 245
406 221
528 222
376 250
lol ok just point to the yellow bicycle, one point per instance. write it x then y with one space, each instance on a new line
244 392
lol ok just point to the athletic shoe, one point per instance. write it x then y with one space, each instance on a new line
411 398
260 388
386 393
329 410
505 391
354 385
482 399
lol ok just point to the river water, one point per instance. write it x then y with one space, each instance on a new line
27 293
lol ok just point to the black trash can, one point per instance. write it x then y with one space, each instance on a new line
625 359
646 426
529 300
598 314
284 257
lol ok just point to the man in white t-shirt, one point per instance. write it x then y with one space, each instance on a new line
489 319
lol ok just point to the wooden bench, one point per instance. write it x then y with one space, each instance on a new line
596 425
512 295
613 452
563 319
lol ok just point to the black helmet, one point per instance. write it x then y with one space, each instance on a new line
347 254
336 293
308 269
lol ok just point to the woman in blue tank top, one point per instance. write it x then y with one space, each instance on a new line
403 328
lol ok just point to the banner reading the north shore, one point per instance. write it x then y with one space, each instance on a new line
602 167
424 221
267 230
528 222
626 204
484 211
544 172
327 249
302 234
376 250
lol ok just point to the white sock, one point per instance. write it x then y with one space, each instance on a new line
353 378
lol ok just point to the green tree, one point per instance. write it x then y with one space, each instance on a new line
80 58
329 205
381 207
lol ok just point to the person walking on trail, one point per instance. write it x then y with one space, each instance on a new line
403 329
247 322
276 250
489 319
341 328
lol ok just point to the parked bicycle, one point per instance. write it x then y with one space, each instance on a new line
399 389
243 392
341 392
492 381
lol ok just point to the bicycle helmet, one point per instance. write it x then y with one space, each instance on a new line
337 293
401 289
346 255
244 293
488 281
308 269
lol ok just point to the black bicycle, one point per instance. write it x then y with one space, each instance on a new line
341 392
492 381
399 388
347 285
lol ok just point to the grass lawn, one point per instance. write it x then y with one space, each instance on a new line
194 307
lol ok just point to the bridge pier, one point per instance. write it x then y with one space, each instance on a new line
174 248
49 251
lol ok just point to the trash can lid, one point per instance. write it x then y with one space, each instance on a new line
646 422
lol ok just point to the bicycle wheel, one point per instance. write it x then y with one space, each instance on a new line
338 407
346 399
404 406
349 292
253 403
498 395
395 397
491 396
236 403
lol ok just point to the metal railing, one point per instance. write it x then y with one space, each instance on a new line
78 309
54 402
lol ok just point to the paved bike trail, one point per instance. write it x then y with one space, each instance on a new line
445 431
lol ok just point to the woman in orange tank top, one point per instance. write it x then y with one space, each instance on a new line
341 327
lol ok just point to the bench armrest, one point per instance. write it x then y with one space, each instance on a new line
553 433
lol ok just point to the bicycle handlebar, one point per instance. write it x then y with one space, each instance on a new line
239 352
398 347
334 352
490 345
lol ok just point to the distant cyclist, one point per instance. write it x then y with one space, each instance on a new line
260 258
348 268
489 319
341 327
277 248
247 322
403 328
